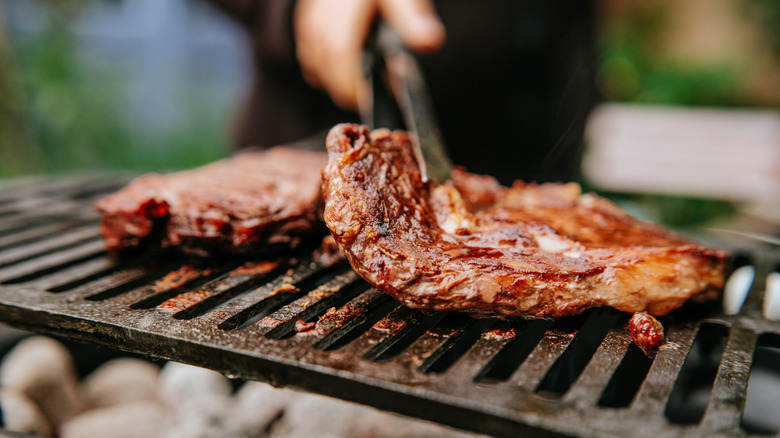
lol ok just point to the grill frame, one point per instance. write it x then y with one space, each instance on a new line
352 372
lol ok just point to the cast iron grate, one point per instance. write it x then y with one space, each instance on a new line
315 325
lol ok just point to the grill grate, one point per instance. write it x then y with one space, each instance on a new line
315 325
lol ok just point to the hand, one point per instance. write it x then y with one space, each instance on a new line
331 35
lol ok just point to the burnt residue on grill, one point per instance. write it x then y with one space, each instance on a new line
192 303
504 333
333 292
340 326
307 320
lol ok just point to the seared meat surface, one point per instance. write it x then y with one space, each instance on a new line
241 204
472 245
646 332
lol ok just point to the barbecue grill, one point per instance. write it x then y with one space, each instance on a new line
313 324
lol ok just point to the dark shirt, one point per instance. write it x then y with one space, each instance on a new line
512 86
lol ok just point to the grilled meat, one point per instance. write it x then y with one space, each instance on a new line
646 332
472 245
241 204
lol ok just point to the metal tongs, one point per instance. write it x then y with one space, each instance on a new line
400 99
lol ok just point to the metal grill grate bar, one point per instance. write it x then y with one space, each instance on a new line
588 388
36 233
427 340
454 348
514 352
333 292
46 263
184 278
476 358
353 319
17 224
549 349
55 243
239 317
393 333
724 411
190 304
75 275
251 304
11 207
124 281
754 301
654 392
55 210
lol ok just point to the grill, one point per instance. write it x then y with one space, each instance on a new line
315 325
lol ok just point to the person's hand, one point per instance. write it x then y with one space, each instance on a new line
330 37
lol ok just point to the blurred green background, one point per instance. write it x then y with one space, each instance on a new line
66 98
690 53
69 99
722 53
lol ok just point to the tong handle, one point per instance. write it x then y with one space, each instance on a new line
393 66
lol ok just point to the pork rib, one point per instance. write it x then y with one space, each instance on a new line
241 204
472 245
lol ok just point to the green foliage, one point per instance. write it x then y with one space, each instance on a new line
768 12
74 112
632 70
626 76
80 113
671 210
684 211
